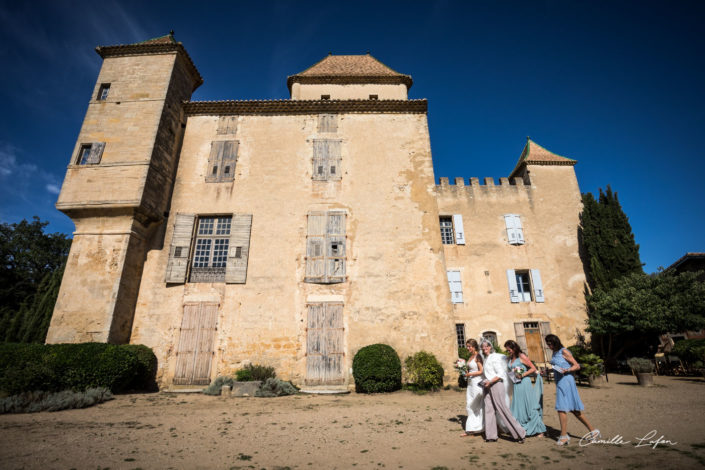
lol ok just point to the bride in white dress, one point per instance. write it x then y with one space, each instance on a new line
474 424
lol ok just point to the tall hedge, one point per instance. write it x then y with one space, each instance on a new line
58 367
376 369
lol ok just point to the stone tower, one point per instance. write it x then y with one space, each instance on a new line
118 185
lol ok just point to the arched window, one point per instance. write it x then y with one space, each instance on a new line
491 335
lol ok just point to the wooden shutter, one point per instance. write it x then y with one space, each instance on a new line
227 125
520 337
227 166
96 153
537 285
513 289
324 344
545 328
334 160
238 249
511 232
327 123
315 247
195 351
455 285
335 236
459 231
519 230
179 251
320 160
214 161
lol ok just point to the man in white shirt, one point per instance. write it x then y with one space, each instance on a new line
496 397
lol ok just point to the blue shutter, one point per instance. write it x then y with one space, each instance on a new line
456 287
537 285
459 231
513 289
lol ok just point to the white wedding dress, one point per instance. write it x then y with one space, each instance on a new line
474 406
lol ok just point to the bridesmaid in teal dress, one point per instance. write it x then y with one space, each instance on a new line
527 403
567 398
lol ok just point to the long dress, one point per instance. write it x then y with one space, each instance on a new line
474 400
567 398
527 403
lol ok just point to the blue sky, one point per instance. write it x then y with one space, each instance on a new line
618 86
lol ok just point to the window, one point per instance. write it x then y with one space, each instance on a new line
327 123
216 252
103 92
452 230
523 284
491 336
326 160
460 334
227 125
325 248
222 160
374 97
456 286
325 97
515 232
90 154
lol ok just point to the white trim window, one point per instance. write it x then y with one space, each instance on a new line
452 231
525 285
455 285
515 231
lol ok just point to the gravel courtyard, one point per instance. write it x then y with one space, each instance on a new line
390 431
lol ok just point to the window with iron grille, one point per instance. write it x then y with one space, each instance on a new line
103 92
460 333
447 230
210 255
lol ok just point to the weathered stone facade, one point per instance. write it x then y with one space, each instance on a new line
294 232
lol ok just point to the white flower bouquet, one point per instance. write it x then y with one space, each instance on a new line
461 366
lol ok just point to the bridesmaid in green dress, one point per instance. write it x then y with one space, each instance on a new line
527 403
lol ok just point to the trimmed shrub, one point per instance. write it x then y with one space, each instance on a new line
591 365
424 372
377 368
33 402
463 353
216 386
77 367
690 350
640 364
255 372
276 388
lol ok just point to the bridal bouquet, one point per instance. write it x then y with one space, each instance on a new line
517 374
461 366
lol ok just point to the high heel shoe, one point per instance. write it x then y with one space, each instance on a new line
563 440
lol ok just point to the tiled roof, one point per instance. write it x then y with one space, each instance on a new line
690 256
349 69
534 154
284 107
160 45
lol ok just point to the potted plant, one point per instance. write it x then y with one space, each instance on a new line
643 369
591 365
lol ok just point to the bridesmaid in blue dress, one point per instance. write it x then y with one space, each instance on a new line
527 400
567 398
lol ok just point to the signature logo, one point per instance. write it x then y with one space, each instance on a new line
649 440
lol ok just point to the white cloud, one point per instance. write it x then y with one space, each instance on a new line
53 189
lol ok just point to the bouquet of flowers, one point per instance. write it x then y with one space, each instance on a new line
517 374
461 366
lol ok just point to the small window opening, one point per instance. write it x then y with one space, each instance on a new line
320 169
332 170
103 91
84 154
374 97
325 97
227 170
215 170
177 252
335 249
238 252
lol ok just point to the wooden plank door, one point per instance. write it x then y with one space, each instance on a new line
195 352
324 344
534 348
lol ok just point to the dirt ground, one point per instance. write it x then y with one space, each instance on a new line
390 431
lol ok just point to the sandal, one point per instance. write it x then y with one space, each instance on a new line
563 440
594 434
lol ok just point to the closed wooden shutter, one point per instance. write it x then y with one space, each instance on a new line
335 246
195 351
324 344
227 167
327 123
520 337
238 249
96 153
455 285
513 289
545 328
519 230
214 161
537 285
179 251
315 247
227 125
334 160
511 233
459 231
326 160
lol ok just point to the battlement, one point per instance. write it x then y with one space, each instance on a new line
488 184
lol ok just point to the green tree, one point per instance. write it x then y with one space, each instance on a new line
640 307
30 273
607 242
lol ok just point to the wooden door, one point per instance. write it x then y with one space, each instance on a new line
534 347
324 344
195 352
